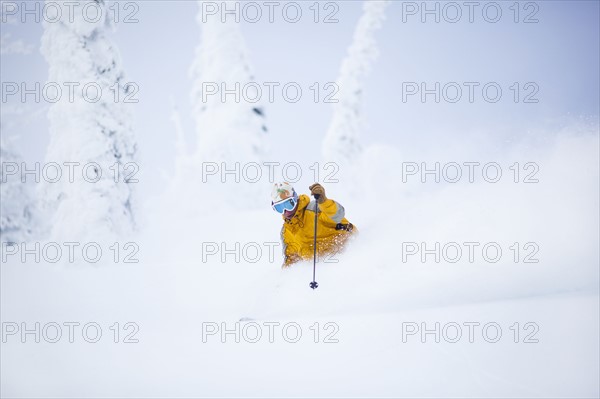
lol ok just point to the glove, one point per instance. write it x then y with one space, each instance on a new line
317 189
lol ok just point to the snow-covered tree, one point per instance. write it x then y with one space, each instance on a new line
342 140
17 202
88 130
228 129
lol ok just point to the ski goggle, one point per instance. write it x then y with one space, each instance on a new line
287 204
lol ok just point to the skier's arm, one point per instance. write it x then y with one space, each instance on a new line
330 209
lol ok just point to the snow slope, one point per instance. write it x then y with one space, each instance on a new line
371 296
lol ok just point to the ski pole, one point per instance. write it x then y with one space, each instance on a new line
313 283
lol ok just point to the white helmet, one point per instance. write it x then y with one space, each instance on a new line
281 191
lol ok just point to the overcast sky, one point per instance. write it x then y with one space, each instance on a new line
558 56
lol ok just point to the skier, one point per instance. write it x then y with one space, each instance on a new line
298 212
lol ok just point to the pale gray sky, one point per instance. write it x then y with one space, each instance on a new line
559 54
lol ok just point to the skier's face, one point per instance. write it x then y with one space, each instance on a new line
288 214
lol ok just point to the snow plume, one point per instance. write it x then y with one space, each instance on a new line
89 128
17 200
341 143
229 128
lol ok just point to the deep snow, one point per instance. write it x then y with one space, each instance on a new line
368 294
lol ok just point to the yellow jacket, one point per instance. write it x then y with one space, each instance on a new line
297 234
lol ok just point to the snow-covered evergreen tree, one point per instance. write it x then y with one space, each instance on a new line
228 129
85 131
342 140
17 202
